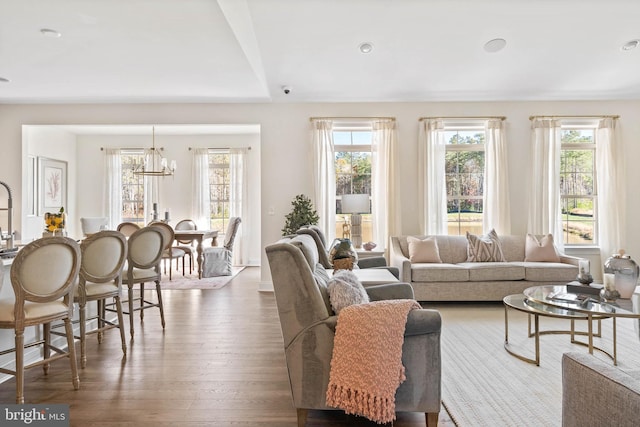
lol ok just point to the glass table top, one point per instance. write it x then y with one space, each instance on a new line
559 296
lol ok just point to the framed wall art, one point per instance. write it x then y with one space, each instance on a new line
52 185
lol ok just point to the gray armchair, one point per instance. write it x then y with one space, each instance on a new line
308 328
321 243
595 393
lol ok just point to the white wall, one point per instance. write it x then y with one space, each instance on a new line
285 158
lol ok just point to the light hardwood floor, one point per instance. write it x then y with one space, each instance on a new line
219 362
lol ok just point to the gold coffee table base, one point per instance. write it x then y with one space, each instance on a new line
517 302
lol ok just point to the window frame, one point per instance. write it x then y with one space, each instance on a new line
466 126
591 125
224 219
140 219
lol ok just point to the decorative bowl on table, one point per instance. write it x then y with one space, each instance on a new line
369 246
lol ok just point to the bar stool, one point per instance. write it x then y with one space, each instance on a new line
43 275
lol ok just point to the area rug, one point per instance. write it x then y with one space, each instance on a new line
483 385
191 281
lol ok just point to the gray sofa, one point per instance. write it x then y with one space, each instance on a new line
595 393
455 279
308 328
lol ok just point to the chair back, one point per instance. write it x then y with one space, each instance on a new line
167 232
318 237
45 270
299 284
186 224
128 228
92 225
232 230
145 248
103 256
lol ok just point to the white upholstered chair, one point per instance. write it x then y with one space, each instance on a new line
103 257
170 252
43 275
144 254
128 228
187 245
217 260
92 225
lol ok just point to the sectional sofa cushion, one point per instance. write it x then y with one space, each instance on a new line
484 248
434 272
423 250
540 250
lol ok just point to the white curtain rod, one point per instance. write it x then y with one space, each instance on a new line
132 148
604 116
464 117
351 118
219 148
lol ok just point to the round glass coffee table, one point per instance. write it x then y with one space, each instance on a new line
564 301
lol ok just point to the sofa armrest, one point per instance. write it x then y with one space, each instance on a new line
568 259
370 262
390 291
420 322
596 393
399 261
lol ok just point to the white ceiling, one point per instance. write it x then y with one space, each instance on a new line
246 50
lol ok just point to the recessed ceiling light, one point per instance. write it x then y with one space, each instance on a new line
365 47
630 45
495 45
3 80
47 32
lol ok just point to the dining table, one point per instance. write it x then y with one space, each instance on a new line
199 236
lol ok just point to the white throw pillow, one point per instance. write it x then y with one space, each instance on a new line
345 289
423 250
542 250
484 248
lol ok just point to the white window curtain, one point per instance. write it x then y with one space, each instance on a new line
432 194
201 198
113 187
384 182
324 181
611 206
544 192
496 213
238 200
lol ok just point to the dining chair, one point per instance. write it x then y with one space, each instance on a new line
218 260
128 228
144 254
92 225
187 245
170 252
103 258
44 276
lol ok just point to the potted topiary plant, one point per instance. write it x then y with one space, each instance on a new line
302 213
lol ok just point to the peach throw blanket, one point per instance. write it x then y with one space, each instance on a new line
366 365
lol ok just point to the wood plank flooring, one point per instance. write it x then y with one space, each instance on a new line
219 362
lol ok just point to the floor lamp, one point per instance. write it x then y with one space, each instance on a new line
356 204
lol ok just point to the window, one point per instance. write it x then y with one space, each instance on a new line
578 184
464 175
352 147
132 187
219 187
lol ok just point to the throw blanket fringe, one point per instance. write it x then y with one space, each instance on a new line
366 365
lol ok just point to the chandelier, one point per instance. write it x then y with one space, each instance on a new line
154 163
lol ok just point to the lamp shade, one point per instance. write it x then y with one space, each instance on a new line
355 203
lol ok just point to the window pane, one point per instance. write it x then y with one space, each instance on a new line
219 189
361 138
578 135
578 220
341 138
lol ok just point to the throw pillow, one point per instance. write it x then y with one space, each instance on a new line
484 248
345 289
423 250
540 250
